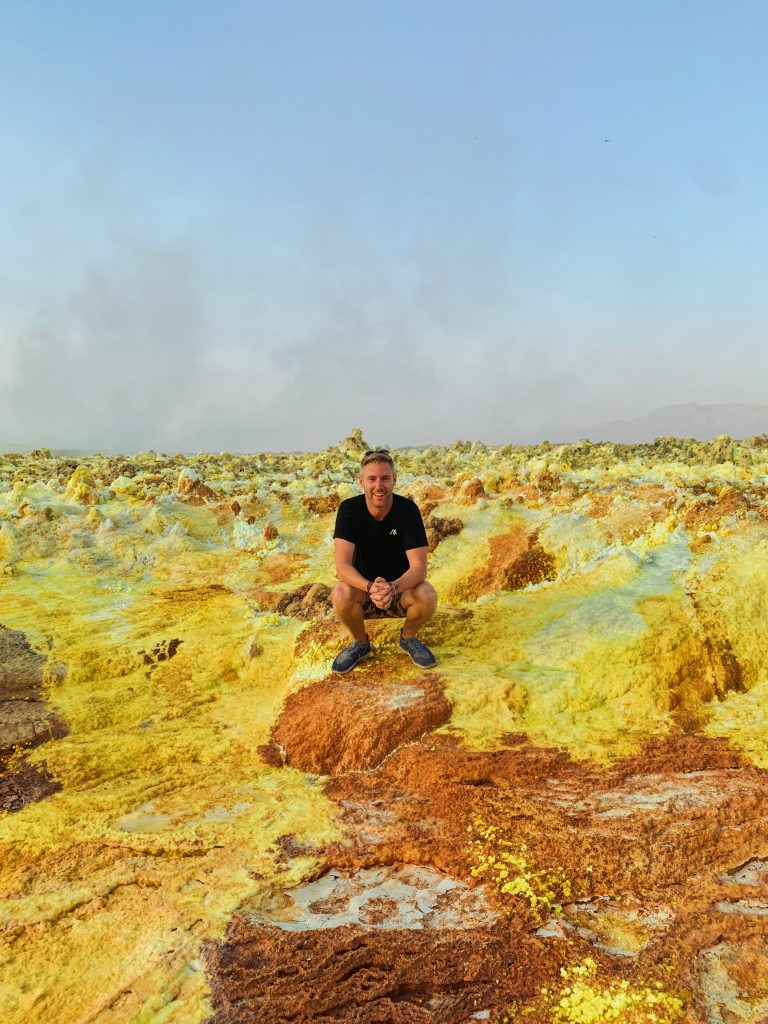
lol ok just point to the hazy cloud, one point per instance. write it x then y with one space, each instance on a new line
425 230
115 361
138 355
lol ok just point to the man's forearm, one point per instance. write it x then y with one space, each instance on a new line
411 578
349 574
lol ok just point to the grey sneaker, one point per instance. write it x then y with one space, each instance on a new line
419 653
346 660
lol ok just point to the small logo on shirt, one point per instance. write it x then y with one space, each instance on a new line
393 533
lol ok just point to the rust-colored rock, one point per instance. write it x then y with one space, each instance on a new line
649 822
516 559
270 532
625 517
534 565
523 494
250 507
708 511
195 491
191 595
371 975
349 724
325 634
566 496
426 495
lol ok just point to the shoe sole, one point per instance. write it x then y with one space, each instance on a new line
343 671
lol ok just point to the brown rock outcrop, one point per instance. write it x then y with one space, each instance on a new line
546 481
626 516
438 529
310 601
653 823
426 495
262 975
195 491
708 511
22 783
340 725
516 560
321 504
26 720
469 492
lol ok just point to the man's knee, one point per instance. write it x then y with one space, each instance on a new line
343 596
425 595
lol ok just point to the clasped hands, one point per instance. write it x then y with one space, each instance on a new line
382 593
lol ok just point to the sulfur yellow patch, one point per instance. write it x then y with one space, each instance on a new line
167 819
495 854
651 621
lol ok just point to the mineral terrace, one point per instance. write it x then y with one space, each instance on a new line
564 823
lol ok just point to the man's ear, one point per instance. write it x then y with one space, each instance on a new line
360 478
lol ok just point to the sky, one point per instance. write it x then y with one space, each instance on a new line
253 226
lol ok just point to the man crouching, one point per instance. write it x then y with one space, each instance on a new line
380 547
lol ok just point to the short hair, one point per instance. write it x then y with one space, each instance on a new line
377 455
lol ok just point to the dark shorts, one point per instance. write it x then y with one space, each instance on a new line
395 610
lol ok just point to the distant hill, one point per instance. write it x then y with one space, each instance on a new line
701 422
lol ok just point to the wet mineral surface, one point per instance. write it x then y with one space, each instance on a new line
564 822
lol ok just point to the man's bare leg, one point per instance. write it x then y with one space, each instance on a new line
348 604
419 604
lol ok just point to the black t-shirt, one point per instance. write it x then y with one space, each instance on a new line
380 546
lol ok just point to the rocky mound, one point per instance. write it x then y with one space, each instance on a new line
26 720
346 724
389 944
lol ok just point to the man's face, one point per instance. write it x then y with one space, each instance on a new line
378 481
